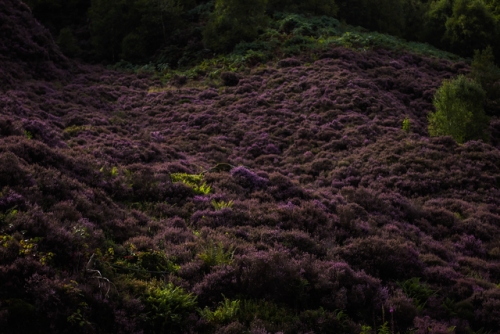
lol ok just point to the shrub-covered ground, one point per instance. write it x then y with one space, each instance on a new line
289 201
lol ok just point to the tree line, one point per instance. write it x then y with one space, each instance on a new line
137 30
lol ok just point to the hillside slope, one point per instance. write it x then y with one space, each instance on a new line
27 49
333 203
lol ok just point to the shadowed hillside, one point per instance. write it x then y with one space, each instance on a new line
284 198
27 49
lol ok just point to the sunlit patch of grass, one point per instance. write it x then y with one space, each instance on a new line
191 84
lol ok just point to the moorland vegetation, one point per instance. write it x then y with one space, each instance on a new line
308 176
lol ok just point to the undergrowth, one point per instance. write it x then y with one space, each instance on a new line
289 35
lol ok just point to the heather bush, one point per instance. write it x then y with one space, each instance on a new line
261 275
282 188
429 325
8 127
338 286
224 217
12 173
309 216
383 258
459 111
248 179
470 246
220 280
233 328
441 275
404 310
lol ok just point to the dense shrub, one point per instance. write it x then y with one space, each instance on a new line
383 258
471 27
459 111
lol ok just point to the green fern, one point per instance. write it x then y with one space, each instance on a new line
226 312
201 190
366 330
384 329
193 181
168 305
192 178
214 255
222 205
479 331
419 292
449 305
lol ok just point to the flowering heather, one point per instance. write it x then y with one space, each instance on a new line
333 203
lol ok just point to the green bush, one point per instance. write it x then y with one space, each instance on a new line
168 307
459 111
232 22
472 26
407 125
